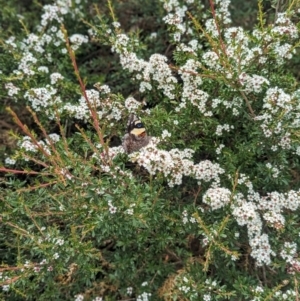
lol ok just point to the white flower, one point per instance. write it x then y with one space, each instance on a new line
132 105
10 161
153 35
59 241
44 69
53 137
42 98
129 290
79 297
116 24
12 89
55 77
165 134
206 297
144 297
289 251
105 89
112 209
129 211
78 39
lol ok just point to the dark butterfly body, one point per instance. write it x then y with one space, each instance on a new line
136 136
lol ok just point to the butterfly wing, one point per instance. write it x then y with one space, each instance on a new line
135 126
136 136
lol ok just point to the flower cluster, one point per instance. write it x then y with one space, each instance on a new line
9 161
165 134
217 197
274 219
186 286
285 27
248 212
27 145
42 98
35 54
175 164
190 90
156 69
106 106
224 127
261 249
112 209
43 147
55 77
289 254
132 105
186 218
11 89
81 110
77 40
207 171
273 169
276 202
279 109
289 251
175 18
144 297
285 295
253 83
277 99
222 11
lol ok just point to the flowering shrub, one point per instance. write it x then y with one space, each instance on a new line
208 210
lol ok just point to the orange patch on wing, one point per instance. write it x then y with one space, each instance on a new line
142 134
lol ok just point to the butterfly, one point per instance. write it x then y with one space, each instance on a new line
136 136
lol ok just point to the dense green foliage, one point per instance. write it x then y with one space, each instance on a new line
209 209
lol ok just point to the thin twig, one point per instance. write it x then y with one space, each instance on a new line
83 91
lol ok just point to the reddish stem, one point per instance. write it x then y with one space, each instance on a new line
14 171
211 2
83 91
